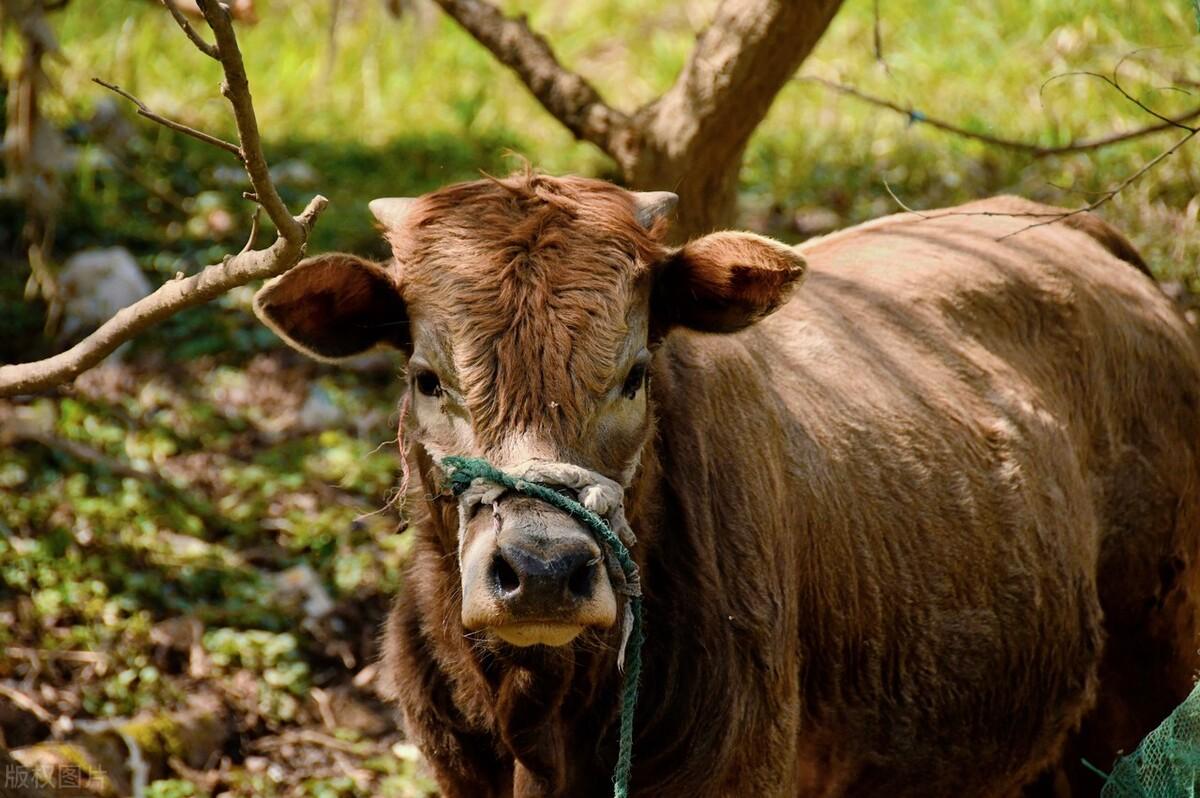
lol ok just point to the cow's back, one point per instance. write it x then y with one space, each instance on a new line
958 438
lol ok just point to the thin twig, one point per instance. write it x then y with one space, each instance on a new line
1166 121
1109 195
1036 150
36 654
938 215
887 187
253 231
201 45
878 35
172 124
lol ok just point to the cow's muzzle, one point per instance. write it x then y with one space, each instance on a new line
532 574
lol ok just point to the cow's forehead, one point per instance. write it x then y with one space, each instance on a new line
533 287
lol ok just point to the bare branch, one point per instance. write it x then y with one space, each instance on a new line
878 34
170 123
691 139
939 214
566 95
1037 151
236 89
1113 192
253 231
25 702
903 206
169 299
181 293
201 45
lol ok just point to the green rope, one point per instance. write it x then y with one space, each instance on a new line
462 471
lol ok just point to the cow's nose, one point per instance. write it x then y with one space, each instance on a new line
533 575
545 579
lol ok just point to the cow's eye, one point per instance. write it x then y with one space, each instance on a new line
634 381
428 383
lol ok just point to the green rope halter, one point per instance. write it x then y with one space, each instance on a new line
462 471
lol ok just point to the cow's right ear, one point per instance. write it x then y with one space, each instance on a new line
334 306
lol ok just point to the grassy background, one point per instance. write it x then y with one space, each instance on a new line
405 105
96 562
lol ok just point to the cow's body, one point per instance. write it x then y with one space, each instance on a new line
929 528
882 531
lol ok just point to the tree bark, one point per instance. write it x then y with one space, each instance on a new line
691 139
694 136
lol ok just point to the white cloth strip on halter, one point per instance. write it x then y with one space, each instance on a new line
598 493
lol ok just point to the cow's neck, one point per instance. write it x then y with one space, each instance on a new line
712 604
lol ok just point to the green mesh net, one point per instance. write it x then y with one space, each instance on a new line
1167 762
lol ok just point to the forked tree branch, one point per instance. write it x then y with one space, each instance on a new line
182 293
566 95
739 63
748 52
236 89
691 138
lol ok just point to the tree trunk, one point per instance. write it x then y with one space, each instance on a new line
692 138
696 134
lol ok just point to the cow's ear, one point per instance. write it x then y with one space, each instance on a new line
334 306
724 282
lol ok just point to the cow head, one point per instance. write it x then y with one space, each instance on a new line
528 309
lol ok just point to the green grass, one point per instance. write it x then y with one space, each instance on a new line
406 105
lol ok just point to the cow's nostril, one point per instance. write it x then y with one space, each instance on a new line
579 583
506 578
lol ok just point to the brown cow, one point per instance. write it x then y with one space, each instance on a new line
930 529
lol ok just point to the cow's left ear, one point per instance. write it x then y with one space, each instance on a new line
334 306
724 282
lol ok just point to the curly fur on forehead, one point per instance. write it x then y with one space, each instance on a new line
531 279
